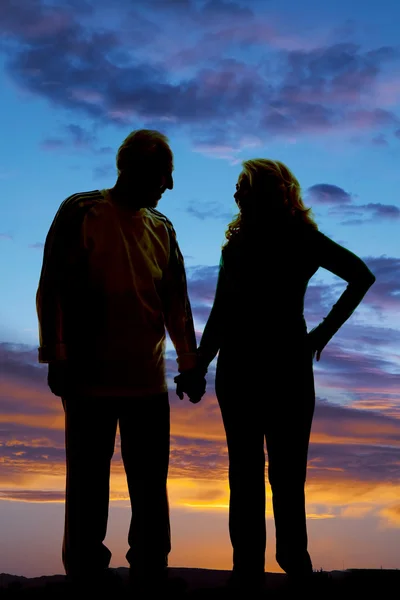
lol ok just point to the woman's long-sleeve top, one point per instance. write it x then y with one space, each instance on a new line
261 287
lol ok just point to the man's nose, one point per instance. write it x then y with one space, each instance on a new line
169 182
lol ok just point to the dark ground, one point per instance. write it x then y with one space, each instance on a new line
210 584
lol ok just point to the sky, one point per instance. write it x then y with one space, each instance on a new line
315 85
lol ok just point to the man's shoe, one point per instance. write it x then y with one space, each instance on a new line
106 581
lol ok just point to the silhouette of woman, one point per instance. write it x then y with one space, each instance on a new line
264 378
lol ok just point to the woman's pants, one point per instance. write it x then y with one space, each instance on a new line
274 403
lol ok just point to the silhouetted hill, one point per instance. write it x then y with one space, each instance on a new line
206 583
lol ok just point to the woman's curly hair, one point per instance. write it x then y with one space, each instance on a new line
273 192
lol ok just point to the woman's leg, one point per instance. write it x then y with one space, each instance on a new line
288 422
245 440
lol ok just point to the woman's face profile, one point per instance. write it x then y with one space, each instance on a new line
242 190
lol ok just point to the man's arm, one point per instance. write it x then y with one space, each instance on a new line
60 256
177 309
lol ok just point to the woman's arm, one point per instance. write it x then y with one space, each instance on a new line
345 264
211 339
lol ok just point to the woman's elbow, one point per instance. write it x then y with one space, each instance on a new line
369 279
364 281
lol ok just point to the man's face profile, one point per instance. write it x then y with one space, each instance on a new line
150 182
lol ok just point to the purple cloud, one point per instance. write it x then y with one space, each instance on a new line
210 210
220 8
53 144
58 54
379 210
380 140
367 213
202 281
326 193
32 496
319 296
340 203
384 295
361 442
76 137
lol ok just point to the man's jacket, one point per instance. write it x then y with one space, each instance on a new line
112 284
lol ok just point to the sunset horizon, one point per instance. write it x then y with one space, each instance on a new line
226 81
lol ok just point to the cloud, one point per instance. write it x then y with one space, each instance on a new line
75 137
371 431
6 236
356 430
358 443
326 193
18 360
392 513
37 246
32 496
220 8
217 144
340 202
383 210
202 282
33 23
104 172
366 213
380 140
384 295
52 144
209 210
183 77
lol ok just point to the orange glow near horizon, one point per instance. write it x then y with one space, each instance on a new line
33 475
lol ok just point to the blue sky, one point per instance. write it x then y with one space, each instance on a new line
314 85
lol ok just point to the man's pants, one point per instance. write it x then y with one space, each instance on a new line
90 433
272 404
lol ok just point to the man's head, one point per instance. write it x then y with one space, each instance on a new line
145 165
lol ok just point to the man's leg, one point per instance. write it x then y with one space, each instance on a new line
90 430
145 435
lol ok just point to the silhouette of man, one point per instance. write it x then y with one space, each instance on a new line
112 283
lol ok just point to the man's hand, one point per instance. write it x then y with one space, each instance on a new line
58 377
191 382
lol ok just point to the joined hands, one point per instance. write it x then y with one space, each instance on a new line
192 383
